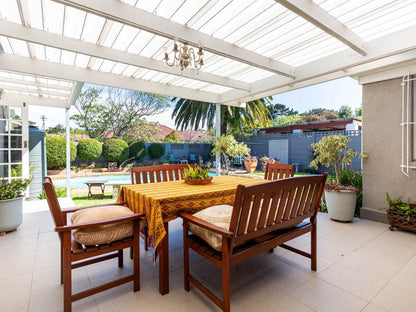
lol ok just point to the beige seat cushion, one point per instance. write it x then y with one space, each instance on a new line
219 215
102 234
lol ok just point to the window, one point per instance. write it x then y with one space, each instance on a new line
408 123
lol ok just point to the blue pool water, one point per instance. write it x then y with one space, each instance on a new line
80 182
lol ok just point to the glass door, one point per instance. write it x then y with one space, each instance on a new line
11 142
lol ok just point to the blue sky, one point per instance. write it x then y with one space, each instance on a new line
332 95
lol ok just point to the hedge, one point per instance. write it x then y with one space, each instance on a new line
156 150
137 150
115 150
56 151
89 149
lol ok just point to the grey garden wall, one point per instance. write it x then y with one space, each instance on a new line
298 145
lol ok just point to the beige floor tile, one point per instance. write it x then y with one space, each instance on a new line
24 265
287 304
394 298
373 308
321 296
406 276
15 304
16 286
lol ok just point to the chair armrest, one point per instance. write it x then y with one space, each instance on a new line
206 225
66 211
98 223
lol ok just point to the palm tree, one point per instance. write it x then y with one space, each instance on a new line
195 114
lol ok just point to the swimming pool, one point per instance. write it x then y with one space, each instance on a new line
80 181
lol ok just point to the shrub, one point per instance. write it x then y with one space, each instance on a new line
56 151
156 150
115 150
137 150
89 149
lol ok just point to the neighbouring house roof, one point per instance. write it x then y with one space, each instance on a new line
185 136
324 125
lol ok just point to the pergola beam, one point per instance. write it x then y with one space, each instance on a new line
15 99
26 65
49 39
135 17
26 90
314 14
396 47
33 84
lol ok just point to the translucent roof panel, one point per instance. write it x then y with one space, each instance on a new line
250 47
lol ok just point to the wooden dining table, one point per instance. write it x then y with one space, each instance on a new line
164 201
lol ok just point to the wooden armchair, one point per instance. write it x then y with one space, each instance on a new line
278 171
263 216
74 254
158 173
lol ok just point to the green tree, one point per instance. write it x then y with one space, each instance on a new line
115 150
56 151
144 132
137 150
345 112
156 150
319 114
172 137
89 112
89 149
358 112
228 146
278 110
195 114
58 129
286 120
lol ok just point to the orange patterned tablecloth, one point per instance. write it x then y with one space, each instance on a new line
163 201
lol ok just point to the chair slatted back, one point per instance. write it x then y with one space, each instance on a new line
278 171
266 207
158 173
53 203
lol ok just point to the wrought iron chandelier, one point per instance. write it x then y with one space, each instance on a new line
184 56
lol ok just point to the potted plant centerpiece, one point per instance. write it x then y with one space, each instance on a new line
250 162
333 151
11 203
197 175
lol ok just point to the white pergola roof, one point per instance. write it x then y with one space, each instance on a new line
253 48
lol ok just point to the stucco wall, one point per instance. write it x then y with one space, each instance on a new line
381 139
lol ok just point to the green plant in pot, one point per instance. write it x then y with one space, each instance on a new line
197 174
333 151
228 147
11 203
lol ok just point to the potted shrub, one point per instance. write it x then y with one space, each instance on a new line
11 203
333 151
401 213
266 160
228 147
197 175
250 162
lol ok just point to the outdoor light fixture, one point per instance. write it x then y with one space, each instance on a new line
184 56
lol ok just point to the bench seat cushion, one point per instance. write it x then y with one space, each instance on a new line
220 216
102 234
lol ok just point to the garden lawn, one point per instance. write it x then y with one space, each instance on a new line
81 200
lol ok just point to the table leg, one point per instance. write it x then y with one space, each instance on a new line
164 263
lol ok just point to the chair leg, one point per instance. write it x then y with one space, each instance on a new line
136 257
131 253
146 238
185 259
271 250
67 272
313 247
225 269
62 265
120 258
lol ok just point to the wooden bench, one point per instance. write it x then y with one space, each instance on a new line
263 216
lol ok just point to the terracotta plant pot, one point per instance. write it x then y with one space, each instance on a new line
250 166
198 181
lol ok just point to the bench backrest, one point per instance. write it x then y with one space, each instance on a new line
278 171
266 207
158 173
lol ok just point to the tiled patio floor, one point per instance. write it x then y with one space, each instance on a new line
362 266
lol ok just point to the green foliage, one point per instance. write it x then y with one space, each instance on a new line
345 112
199 172
89 149
59 190
56 151
137 150
156 150
319 114
55 130
278 110
115 150
286 120
172 137
14 188
406 208
144 132
333 151
227 146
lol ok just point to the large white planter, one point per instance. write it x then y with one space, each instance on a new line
341 205
11 214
